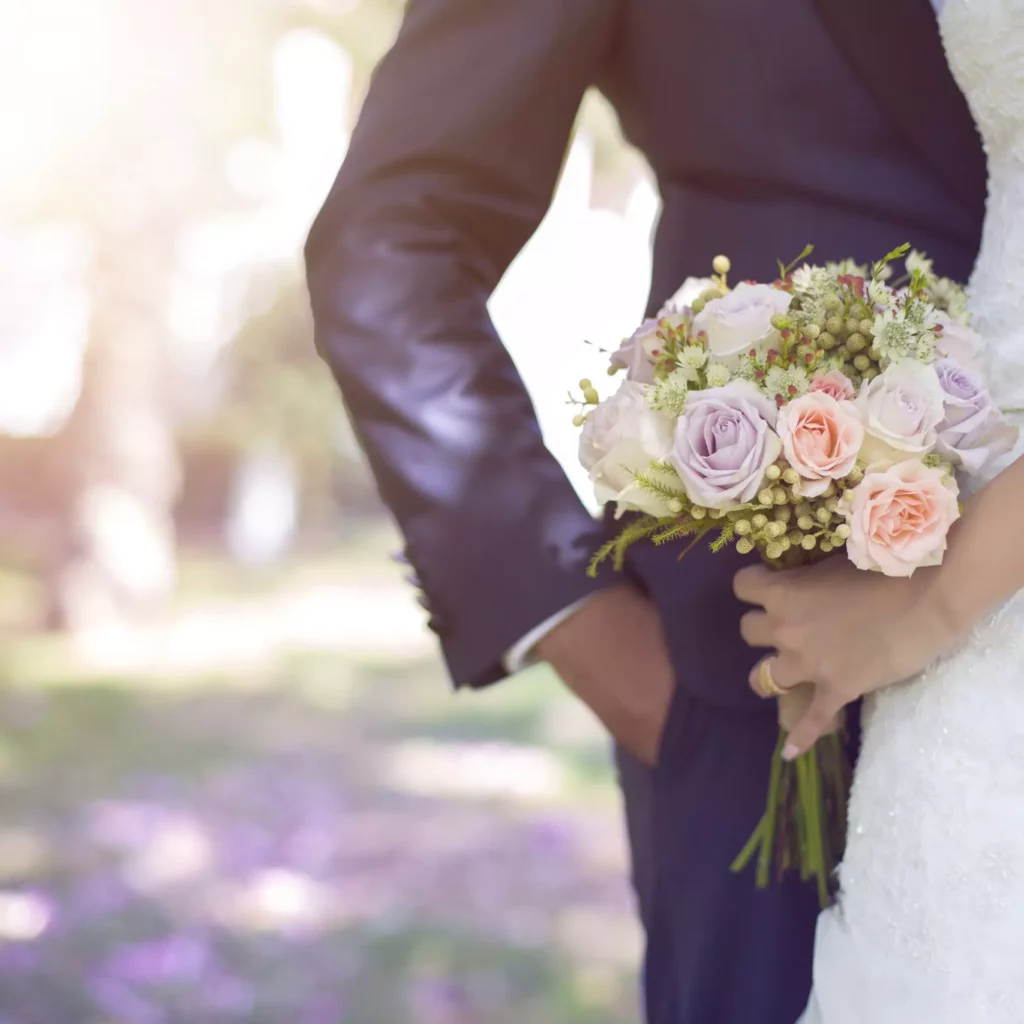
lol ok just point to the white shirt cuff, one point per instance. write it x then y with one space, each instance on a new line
521 654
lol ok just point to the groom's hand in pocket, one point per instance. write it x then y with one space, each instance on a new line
612 654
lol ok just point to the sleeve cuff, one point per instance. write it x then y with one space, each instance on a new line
521 654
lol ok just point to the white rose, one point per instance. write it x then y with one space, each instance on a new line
620 438
901 409
741 320
688 293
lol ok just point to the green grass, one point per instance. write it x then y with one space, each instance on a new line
341 838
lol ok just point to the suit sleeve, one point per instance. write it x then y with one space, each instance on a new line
450 170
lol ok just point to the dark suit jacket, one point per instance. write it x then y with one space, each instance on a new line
768 125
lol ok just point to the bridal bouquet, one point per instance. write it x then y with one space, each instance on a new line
828 412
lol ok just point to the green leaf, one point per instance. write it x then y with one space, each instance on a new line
807 250
896 254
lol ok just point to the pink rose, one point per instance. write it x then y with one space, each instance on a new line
836 384
821 438
972 432
723 444
899 517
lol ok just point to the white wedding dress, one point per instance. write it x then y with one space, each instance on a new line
930 924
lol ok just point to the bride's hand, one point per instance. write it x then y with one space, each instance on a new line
849 632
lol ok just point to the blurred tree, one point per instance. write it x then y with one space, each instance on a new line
278 397
130 112
138 111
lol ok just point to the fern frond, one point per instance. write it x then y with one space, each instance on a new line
677 530
600 556
724 538
616 548
659 489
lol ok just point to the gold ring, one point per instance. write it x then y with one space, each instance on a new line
766 680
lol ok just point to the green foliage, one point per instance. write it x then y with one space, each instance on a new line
661 490
784 271
617 547
725 538
896 254
678 529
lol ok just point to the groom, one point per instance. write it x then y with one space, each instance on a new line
768 125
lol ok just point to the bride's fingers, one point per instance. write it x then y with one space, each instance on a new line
816 722
755 628
783 670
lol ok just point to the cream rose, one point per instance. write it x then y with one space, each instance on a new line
689 291
620 438
821 439
901 410
899 517
955 340
741 320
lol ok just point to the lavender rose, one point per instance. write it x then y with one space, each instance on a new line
741 320
972 432
636 353
724 442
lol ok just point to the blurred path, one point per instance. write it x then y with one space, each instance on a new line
269 806
228 635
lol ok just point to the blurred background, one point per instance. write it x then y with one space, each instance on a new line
234 782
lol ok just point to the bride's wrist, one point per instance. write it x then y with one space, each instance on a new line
955 601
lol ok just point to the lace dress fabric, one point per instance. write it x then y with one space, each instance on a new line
930 924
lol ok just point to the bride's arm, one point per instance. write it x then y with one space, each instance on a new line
984 564
852 632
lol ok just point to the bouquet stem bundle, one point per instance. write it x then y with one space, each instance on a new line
804 824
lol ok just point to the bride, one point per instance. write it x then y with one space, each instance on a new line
929 926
